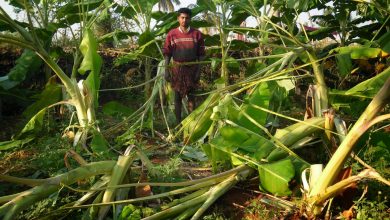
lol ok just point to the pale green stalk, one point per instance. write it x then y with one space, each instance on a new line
158 196
147 163
15 41
338 187
92 211
118 173
224 49
102 182
8 198
220 189
177 184
185 198
201 196
188 213
121 194
179 208
23 181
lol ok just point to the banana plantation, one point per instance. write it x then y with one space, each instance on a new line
290 117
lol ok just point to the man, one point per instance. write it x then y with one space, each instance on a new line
183 44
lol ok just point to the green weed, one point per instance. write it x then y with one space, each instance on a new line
258 210
169 171
370 210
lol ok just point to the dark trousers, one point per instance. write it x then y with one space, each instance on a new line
178 104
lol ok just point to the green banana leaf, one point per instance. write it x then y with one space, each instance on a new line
358 52
28 63
50 95
344 64
275 176
146 42
5 145
301 5
384 42
209 4
117 109
371 86
91 63
117 34
276 163
365 89
260 97
100 146
73 7
33 126
196 124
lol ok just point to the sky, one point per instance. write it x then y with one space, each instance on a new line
185 3
7 8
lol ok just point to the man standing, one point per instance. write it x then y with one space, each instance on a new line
183 44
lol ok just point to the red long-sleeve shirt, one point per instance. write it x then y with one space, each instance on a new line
184 47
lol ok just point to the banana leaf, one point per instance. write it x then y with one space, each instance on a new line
28 63
91 63
50 95
73 7
276 163
198 122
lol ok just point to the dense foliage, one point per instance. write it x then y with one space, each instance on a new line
273 105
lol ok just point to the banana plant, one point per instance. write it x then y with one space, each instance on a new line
141 13
83 94
49 16
347 22
167 5
29 62
224 19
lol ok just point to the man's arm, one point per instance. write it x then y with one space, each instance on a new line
167 74
167 51
201 54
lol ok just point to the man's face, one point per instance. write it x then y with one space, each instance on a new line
184 20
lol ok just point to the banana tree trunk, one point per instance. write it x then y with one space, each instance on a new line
321 89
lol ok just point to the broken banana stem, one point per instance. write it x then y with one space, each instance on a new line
25 199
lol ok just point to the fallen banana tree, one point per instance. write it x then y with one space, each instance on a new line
199 194
205 191
44 188
272 159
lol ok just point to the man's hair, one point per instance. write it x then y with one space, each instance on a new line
184 11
